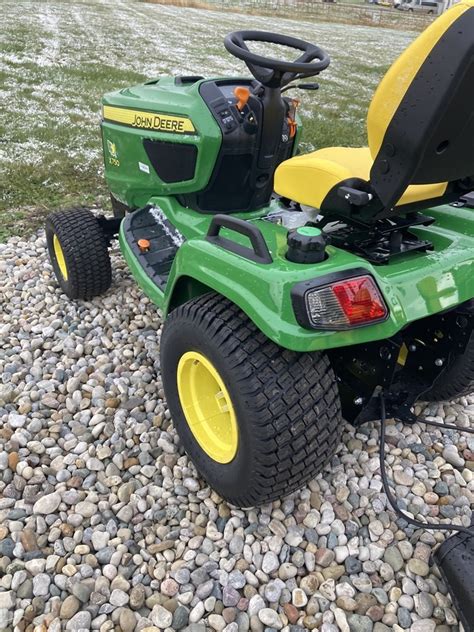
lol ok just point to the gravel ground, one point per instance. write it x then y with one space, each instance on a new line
105 525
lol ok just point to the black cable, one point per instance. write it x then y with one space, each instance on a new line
388 492
438 424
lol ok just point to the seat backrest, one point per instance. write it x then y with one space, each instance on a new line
421 120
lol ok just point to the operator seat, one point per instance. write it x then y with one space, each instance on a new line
420 133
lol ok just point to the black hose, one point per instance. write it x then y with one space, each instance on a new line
386 485
438 424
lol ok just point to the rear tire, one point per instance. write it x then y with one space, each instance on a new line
286 404
79 254
458 378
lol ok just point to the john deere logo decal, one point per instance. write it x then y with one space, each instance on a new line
149 120
112 147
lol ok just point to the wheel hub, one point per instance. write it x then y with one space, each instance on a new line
58 251
207 407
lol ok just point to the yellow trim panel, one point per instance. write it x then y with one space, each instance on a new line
149 120
393 87
308 178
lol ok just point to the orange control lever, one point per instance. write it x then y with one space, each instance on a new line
292 117
242 94
143 244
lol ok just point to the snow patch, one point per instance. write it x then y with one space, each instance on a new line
159 216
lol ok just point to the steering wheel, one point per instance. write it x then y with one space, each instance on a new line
276 73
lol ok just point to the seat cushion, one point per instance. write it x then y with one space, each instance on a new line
309 178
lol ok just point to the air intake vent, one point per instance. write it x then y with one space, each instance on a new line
173 162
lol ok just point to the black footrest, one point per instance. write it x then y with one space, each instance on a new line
151 227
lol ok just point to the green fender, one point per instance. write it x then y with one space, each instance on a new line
414 287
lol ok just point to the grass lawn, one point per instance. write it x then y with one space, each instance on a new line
58 57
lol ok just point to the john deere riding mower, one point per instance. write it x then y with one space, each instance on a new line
294 288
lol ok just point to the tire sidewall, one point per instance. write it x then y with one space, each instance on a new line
178 338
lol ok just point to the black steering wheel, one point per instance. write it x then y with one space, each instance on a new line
276 73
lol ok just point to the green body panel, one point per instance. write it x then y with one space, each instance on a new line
127 181
415 285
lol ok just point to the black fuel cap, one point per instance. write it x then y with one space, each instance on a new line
306 244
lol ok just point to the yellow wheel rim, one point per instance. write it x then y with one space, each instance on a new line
207 407
58 251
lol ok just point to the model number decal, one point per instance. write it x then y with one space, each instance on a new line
149 120
113 156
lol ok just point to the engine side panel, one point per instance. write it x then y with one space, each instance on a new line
159 138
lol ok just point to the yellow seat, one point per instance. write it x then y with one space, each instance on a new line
419 126
308 179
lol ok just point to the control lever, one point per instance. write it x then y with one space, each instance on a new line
302 86
354 196
242 95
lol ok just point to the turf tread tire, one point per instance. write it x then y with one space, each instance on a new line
292 400
85 251
457 380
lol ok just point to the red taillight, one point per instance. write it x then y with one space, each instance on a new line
344 304
360 300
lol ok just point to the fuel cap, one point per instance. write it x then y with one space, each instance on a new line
306 244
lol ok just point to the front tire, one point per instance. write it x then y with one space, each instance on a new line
79 254
285 404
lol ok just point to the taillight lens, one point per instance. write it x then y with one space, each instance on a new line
347 303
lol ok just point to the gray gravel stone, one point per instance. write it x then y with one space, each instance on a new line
79 622
270 618
423 625
119 598
393 557
180 618
359 623
424 605
161 617
47 504
6 547
452 456
41 584
270 562
7 600
404 617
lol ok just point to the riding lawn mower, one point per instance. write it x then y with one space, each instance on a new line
297 290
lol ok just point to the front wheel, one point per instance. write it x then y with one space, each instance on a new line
257 420
79 254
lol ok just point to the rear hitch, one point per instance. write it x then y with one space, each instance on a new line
404 367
